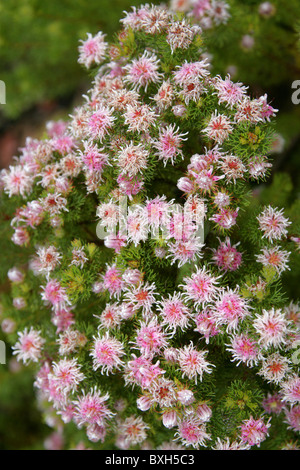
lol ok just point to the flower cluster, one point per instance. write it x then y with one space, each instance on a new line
144 288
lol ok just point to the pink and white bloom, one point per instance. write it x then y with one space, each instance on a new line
192 432
29 345
100 122
174 313
226 256
169 144
141 297
20 236
143 71
67 375
206 324
17 180
142 371
274 368
110 317
218 128
225 218
192 362
272 328
254 431
150 338
113 280
92 50
133 431
230 309
290 389
91 408
244 349
49 258
15 275
274 258
106 353
132 159
93 158
180 35
292 417
54 294
229 92
139 117
201 287
273 224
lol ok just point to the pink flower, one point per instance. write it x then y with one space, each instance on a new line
227 257
110 316
92 50
93 158
225 218
272 328
164 96
292 417
100 122
19 303
155 19
20 236
163 392
106 353
143 71
174 313
274 368
29 345
55 294
141 371
248 110
273 404
132 430
15 275
244 350
90 408
141 297
230 309
229 92
185 251
192 432
254 431
273 224
67 375
49 258
275 258
169 144
201 287
132 159
113 281
186 185
192 362
191 72
63 318
139 117
150 338
218 128
185 397
63 144
232 167
169 419
204 412
17 180
206 324
180 35
290 389
130 185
